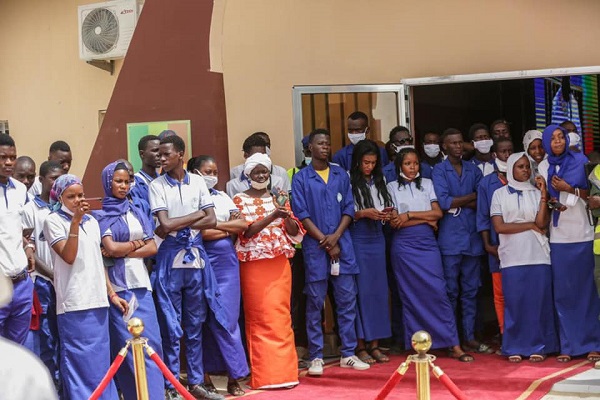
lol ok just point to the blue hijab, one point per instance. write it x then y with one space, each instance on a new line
570 165
112 217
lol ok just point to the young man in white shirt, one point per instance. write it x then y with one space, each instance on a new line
34 216
15 260
183 282
60 151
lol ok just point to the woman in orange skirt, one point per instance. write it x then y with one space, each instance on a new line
266 277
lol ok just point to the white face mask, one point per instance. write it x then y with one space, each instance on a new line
268 150
406 178
211 181
432 150
260 185
574 139
502 166
66 210
307 160
483 146
357 137
404 146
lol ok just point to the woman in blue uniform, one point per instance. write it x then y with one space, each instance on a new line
520 216
571 243
416 258
223 350
371 198
127 238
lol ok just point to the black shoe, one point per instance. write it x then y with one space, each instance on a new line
201 392
172 394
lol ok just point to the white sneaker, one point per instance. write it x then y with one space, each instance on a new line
316 367
353 362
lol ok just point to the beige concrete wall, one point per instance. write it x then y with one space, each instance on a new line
46 92
271 45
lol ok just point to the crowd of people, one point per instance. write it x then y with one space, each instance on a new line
397 236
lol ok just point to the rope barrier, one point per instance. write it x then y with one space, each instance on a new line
448 383
167 374
114 367
393 381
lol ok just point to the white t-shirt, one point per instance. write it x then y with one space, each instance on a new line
13 197
34 214
524 248
410 198
574 223
180 199
224 206
81 285
136 273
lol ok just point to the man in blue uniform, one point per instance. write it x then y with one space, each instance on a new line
358 129
322 200
455 183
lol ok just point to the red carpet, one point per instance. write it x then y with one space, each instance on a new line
488 377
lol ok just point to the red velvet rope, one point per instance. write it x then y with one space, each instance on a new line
165 371
452 388
109 375
389 385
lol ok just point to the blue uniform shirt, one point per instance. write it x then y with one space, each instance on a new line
485 192
458 232
426 169
343 157
325 205
389 171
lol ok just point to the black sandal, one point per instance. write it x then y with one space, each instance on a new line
378 355
234 389
210 388
367 358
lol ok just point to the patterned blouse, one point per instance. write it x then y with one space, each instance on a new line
273 240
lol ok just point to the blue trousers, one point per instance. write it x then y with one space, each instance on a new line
15 317
48 333
186 292
462 274
344 291
119 335
84 353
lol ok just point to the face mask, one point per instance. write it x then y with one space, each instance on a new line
483 146
502 166
406 178
432 150
66 210
307 160
357 137
260 185
574 139
404 146
211 181
268 150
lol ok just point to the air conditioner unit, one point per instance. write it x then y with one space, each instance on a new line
106 29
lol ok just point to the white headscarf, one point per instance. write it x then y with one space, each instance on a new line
512 182
254 160
529 137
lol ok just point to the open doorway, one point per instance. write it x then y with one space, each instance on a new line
530 102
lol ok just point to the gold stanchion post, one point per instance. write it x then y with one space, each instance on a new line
135 326
421 343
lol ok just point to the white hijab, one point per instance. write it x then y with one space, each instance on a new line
254 160
512 182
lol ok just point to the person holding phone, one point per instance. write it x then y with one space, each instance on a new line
82 292
520 215
416 258
266 278
127 237
571 243
322 199
373 206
